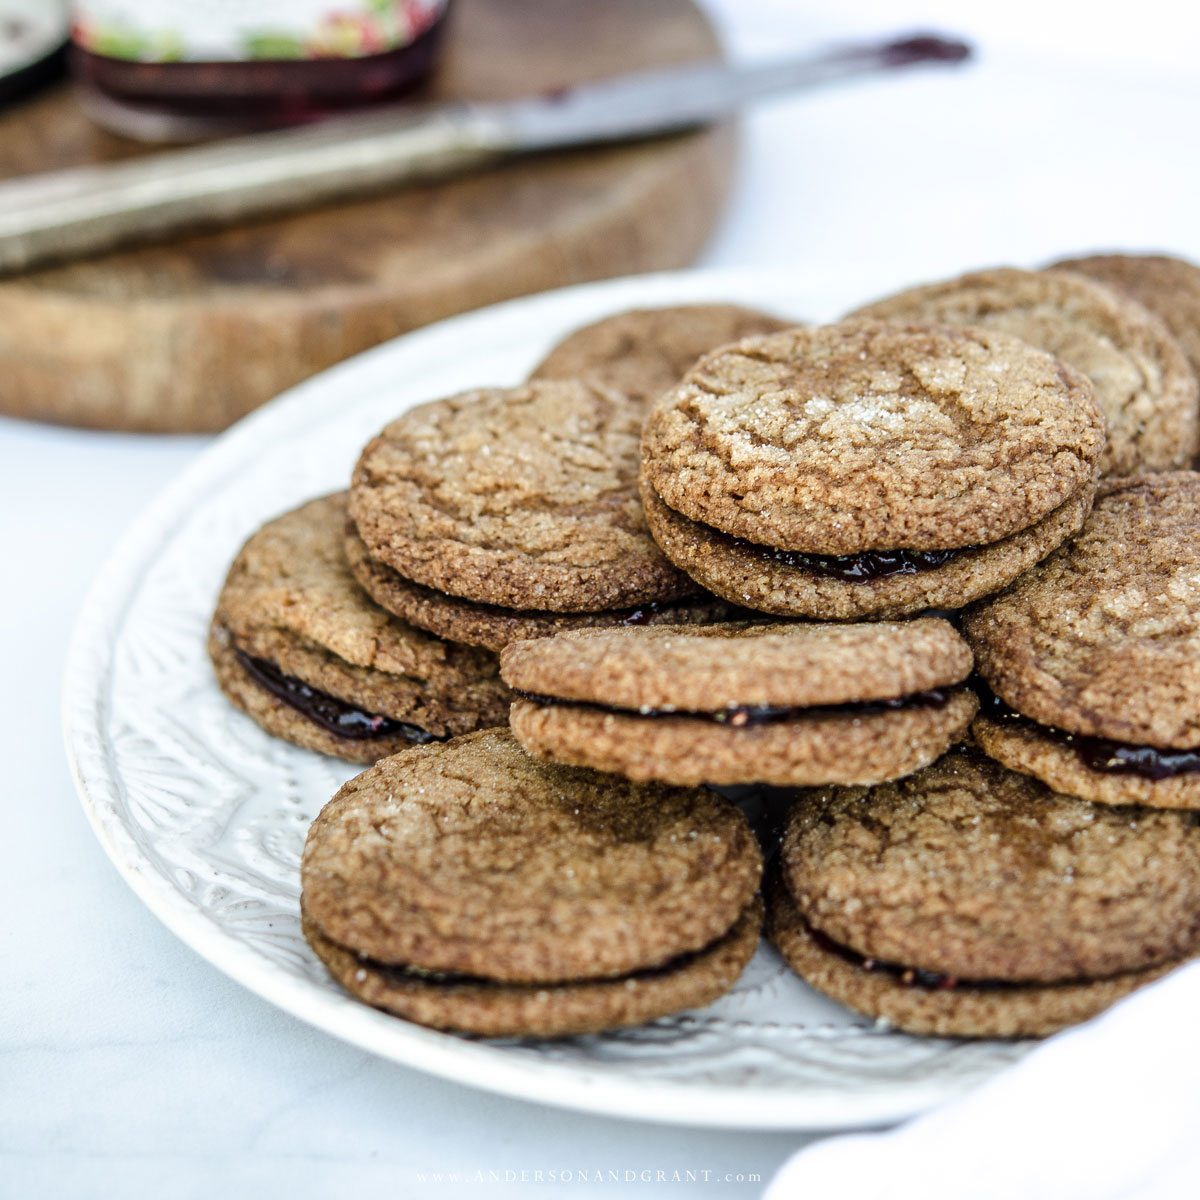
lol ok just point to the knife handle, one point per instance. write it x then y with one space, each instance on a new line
84 210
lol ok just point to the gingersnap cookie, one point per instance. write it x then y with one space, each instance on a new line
922 1003
1094 655
645 351
1168 287
1143 384
522 497
298 646
467 1004
864 451
740 703
469 857
969 876
492 627
875 584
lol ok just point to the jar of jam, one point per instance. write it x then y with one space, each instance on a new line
175 70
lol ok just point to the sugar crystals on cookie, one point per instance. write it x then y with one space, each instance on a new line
464 885
969 900
868 469
785 704
1094 656
297 645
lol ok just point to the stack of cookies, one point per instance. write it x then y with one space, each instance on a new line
1013 894
710 548
480 519
368 623
298 646
511 513
1020 892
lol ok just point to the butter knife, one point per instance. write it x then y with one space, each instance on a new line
60 215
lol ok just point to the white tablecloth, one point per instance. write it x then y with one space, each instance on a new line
130 1067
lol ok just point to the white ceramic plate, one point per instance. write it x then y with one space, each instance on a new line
205 815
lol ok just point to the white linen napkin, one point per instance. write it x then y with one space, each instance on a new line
1107 1111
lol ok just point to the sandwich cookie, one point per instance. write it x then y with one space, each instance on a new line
1093 658
524 498
738 703
1168 287
466 886
491 626
646 351
869 469
297 646
969 900
1143 383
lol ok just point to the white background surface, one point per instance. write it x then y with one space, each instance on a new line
128 1066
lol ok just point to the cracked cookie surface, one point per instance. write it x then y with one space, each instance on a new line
866 436
522 497
469 856
1103 637
1168 287
975 871
1143 383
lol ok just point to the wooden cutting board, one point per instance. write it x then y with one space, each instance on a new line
190 335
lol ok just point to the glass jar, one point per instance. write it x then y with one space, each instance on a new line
174 70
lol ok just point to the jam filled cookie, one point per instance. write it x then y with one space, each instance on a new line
466 886
506 513
725 704
1093 658
971 900
297 645
869 469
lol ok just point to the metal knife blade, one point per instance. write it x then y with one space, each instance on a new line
652 102
61 215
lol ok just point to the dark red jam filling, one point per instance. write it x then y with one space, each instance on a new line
923 47
1097 753
933 981
643 615
330 713
399 973
854 568
764 714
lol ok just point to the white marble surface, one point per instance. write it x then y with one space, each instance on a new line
130 1067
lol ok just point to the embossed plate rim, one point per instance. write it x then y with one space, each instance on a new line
533 323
